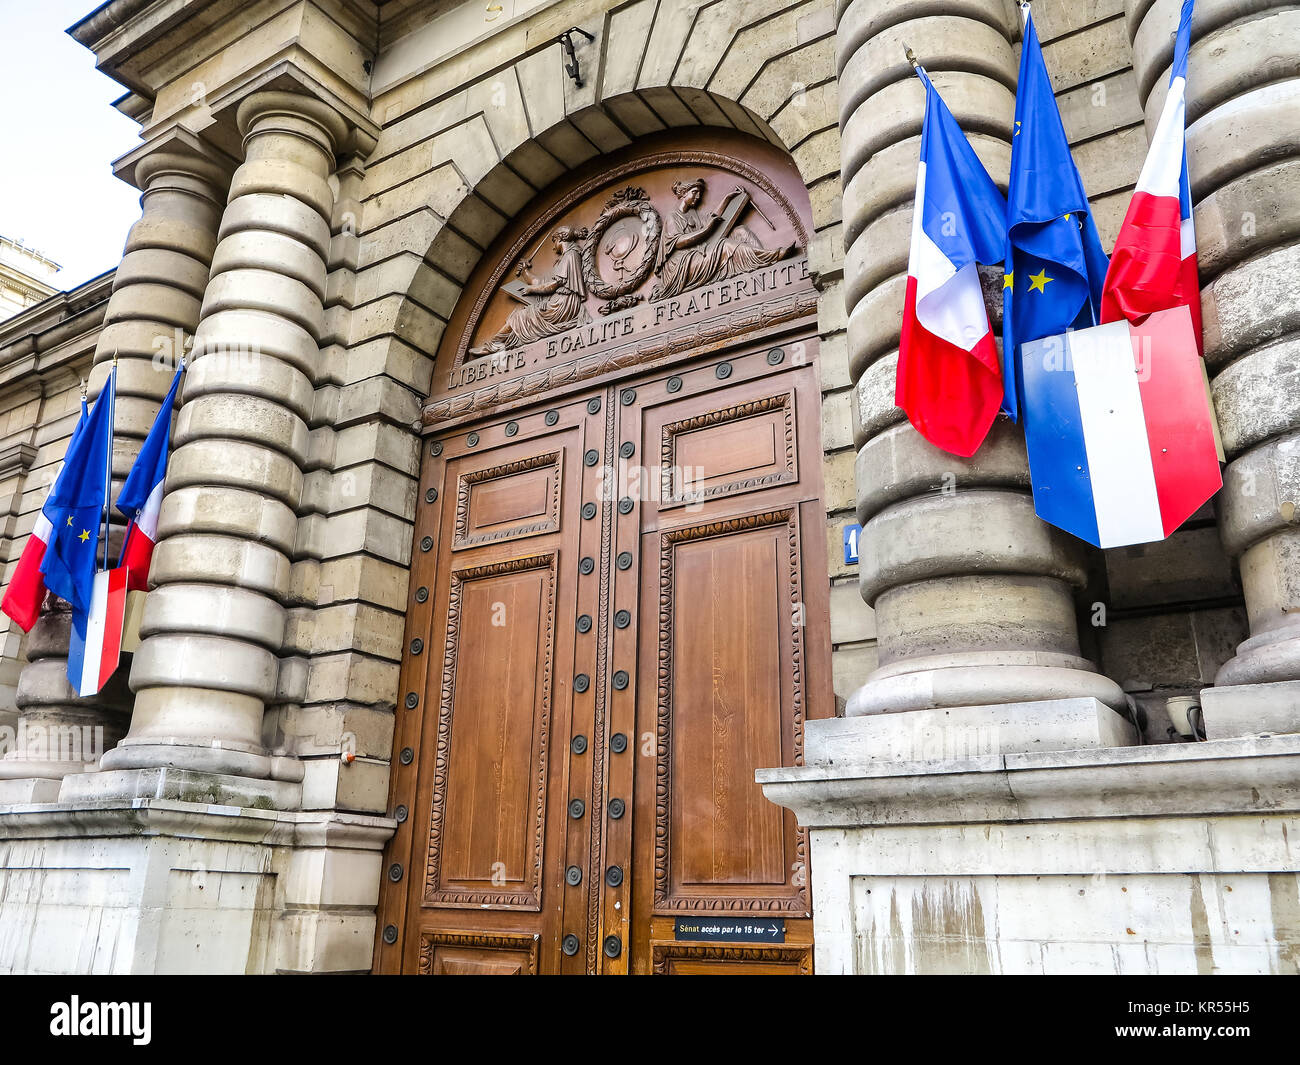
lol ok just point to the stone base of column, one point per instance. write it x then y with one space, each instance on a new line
968 732
218 759
160 886
29 789
21 766
24 778
1251 709
981 679
182 784
1163 859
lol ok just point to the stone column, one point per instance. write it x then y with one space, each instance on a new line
152 312
973 593
1243 147
215 622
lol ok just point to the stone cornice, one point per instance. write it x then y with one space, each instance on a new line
172 817
26 338
118 29
24 284
1252 775
127 35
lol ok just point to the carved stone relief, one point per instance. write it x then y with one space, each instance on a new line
645 258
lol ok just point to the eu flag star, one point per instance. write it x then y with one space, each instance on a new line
1007 279
85 535
1039 281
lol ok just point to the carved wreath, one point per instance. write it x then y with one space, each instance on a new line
623 204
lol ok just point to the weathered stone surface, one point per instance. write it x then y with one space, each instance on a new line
898 463
1261 493
928 537
1251 305
240 890
1187 566
851 665
1259 210
955 836
977 613
874 323
968 731
215 610
1180 651
852 621
1253 709
277 214
1256 397
255 249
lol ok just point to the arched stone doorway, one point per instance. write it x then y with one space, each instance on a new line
618 589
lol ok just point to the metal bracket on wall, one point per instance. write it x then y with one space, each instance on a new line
571 63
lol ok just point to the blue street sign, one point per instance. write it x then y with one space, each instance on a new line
851 535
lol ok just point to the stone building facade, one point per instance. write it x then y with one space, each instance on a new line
393 240
25 277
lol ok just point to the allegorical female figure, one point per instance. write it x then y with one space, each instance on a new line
561 298
688 257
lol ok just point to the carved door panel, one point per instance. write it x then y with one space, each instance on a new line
493 695
733 656
618 614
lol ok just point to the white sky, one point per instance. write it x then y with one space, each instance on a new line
60 136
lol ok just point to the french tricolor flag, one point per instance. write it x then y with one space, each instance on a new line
1122 445
949 376
140 500
26 590
95 640
1153 266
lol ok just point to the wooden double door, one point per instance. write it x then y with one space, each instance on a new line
618 612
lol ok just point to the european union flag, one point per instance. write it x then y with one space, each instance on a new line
75 507
1055 266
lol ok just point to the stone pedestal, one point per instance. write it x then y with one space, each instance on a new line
1251 709
223 789
1170 859
156 885
969 731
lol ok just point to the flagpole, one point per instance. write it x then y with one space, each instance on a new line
108 462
